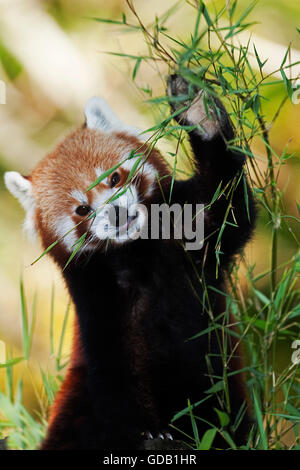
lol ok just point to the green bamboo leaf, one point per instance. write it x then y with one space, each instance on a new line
119 194
223 418
46 251
77 245
50 386
232 9
133 169
116 22
207 439
136 68
260 63
285 57
11 362
260 421
197 25
228 438
256 104
238 26
109 21
186 410
129 56
287 84
217 387
103 176
194 425
203 10
262 297
10 63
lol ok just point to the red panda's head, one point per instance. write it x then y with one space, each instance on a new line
55 196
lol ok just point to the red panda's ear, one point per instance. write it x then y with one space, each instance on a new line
101 117
21 188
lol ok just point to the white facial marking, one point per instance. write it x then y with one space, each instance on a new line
146 169
64 226
99 171
29 224
79 196
103 228
21 188
150 172
103 197
137 225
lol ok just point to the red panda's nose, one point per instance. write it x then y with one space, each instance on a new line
118 216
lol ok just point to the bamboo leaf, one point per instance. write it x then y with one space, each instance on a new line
77 245
11 362
260 422
136 68
207 439
46 251
287 84
194 425
104 175
223 418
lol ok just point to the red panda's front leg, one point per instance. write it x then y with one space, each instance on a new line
219 175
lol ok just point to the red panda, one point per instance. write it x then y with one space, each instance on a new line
140 301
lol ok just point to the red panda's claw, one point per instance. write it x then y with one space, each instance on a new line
160 435
147 435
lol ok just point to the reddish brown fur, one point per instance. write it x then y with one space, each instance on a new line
77 361
72 166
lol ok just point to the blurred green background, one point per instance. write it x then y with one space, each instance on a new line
52 59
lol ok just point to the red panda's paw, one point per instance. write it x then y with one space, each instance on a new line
199 108
180 93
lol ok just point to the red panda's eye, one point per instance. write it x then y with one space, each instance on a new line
83 210
115 178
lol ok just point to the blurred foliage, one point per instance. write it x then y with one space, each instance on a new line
10 64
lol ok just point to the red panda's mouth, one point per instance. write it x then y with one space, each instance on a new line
127 225
120 223
130 219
